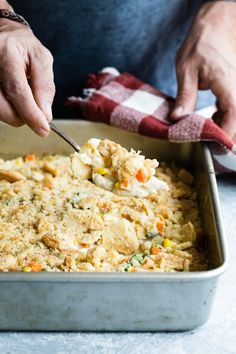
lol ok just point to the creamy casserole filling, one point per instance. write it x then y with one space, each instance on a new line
113 168
104 209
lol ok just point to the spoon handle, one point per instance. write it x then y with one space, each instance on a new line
64 136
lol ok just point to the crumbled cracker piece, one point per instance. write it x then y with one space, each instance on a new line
11 176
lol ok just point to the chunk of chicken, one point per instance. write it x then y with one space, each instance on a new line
80 169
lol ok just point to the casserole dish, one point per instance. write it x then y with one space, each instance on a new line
117 301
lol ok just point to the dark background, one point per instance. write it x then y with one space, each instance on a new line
140 36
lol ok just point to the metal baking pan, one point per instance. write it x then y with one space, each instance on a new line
116 301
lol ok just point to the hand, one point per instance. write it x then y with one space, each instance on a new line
207 60
23 57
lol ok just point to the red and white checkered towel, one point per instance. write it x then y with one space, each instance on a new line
124 101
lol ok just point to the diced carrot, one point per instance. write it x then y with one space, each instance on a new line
160 226
30 157
125 183
155 250
133 270
124 260
35 266
85 245
142 175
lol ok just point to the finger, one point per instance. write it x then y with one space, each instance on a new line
42 81
228 123
187 93
19 93
226 103
7 112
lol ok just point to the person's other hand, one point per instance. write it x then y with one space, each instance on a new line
26 78
207 60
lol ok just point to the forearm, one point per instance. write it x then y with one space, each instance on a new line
22 56
5 5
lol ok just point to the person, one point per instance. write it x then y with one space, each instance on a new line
141 37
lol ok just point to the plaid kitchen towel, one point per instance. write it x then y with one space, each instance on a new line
124 101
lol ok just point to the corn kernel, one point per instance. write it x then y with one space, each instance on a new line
117 185
27 269
167 243
18 161
102 171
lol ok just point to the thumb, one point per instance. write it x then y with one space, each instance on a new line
187 95
226 104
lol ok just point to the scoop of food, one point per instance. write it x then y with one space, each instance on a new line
113 168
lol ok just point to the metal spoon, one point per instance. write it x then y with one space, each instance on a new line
64 136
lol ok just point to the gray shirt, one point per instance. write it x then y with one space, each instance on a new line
139 36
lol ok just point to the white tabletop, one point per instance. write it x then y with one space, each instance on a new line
217 336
